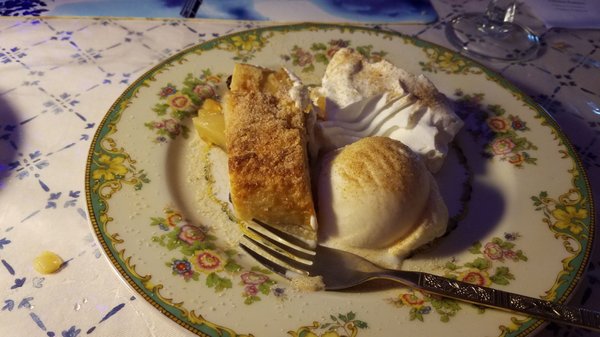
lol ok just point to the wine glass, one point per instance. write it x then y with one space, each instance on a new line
493 35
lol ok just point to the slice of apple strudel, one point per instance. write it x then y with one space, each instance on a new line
266 138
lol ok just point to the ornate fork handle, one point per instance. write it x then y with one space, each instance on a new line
499 299
341 270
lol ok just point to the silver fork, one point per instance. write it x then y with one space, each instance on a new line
190 8
289 257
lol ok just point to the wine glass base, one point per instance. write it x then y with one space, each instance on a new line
475 35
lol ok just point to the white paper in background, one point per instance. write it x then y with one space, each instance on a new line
582 14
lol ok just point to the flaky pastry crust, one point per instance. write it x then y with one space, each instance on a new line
266 141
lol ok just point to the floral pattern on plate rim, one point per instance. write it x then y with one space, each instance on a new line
106 176
322 52
482 270
175 105
501 133
342 325
244 45
201 255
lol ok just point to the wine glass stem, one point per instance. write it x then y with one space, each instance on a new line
493 35
498 17
499 11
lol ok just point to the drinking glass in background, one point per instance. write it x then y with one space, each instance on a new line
493 35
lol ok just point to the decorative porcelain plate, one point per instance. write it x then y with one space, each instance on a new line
521 206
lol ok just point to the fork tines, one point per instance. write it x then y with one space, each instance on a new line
276 250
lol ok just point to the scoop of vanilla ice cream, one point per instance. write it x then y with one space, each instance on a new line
379 99
376 199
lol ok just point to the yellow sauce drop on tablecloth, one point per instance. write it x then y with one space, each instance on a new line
47 262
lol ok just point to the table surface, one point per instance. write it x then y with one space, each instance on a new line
48 118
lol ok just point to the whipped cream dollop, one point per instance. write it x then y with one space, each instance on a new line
376 199
298 92
379 99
